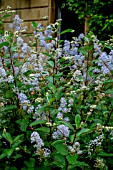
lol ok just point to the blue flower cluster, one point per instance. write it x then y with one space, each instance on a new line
39 144
62 132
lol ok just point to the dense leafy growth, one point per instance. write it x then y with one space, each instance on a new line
97 15
56 107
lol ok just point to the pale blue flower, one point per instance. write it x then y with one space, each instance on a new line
62 132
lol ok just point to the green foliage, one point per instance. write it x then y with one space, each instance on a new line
55 100
99 13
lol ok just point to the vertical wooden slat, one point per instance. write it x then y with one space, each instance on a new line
29 10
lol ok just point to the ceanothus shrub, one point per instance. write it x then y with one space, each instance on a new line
55 99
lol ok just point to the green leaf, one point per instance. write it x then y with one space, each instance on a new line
66 31
27 73
51 63
13 48
18 64
60 147
109 91
83 51
9 152
52 87
72 138
23 124
37 122
58 95
1 22
17 156
82 131
49 38
10 107
34 24
8 137
30 163
50 79
6 16
16 144
47 54
72 158
18 137
4 44
86 39
77 120
81 164
59 160
9 94
44 129
105 154
58 142
58 75
2 156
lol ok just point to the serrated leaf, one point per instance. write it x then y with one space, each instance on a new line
109 91
9 94
43 129
82 131
59 159
34 24
47 54
66 31
58 75
9 152
8 137
15 144
18 137
17 156
49 38
83 51
50 79
6 16
18 64
77 120
51 63
52 87
2 156
23 124
10 107
37 122
72 138
60 147
30 163
27 73
81 164
105 154
72 158
58 95
4 44
58 142
86 39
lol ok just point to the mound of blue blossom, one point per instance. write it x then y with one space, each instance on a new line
55 99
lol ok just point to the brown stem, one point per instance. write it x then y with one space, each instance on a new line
86 26
13 72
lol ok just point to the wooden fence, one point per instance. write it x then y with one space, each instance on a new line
31 10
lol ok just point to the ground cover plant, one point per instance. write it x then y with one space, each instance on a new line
56 99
